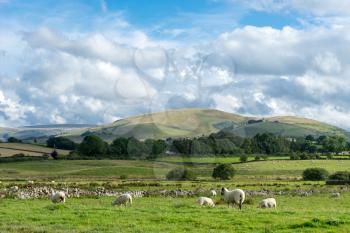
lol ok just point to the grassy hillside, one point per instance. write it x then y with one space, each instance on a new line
197 122
181 123
174 123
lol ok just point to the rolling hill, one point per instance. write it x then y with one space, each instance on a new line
180 123
197 122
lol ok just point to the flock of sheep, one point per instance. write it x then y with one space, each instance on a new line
232 197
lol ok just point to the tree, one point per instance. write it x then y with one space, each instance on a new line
315 174
119 147
155 147
13 140
61 143
180 174
54 154
223 172
243 158
92 146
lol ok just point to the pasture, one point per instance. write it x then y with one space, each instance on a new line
161 214
295 213
10 149
272 170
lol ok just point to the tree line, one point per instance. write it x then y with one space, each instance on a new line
221 143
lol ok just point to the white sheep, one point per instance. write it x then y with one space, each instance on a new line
123 199
235 196
268 203
212 192
335 195
57 197
206 201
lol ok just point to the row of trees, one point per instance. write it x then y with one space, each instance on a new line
221 143
121 148
266 143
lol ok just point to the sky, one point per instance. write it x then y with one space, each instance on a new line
96 61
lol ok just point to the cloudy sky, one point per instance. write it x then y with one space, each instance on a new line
95 61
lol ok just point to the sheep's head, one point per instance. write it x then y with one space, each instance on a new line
223 191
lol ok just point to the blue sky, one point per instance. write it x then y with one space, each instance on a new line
96 61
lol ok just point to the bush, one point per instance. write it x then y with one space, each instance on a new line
294 157
243 158
341 176
123 177
315 174
223 172
180 174
257 158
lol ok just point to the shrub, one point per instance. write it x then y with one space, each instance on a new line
340 176
257 158
243 158
315 174
294 157
123 177
180 174
223 172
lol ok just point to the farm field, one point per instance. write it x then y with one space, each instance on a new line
9 149
112 169
161 214
213 159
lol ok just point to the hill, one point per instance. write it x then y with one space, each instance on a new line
197 122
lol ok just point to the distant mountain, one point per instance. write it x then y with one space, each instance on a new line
197 122
41 131
181 123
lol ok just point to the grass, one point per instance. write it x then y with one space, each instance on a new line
9 149
294 214
212 159
273 170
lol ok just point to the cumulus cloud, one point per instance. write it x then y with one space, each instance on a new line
98 77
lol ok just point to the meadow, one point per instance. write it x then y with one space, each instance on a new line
160 214
294 213
9 149
271 170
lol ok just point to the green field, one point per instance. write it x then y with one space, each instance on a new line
293 214
315 213
9 149
113 169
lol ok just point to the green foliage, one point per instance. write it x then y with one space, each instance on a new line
243 158
54 154
315 174
223 172
123 177
180 174
61 143
13 140
92 146
340 176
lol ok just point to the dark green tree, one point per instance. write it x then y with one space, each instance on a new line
223 172
92 146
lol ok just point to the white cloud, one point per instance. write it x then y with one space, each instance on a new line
97 77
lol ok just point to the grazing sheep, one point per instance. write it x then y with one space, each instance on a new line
212 192
58 197
206 201
268 203
335 195
123 199
30 182
235 196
